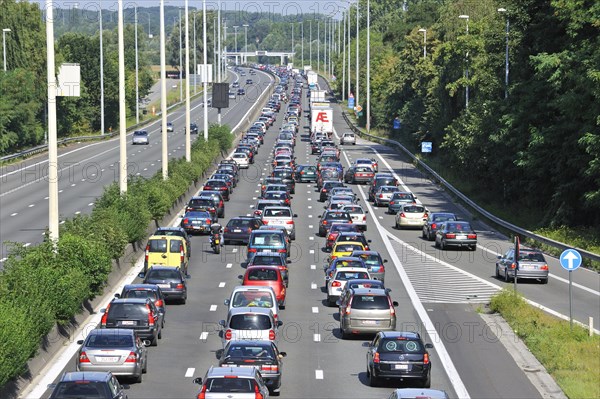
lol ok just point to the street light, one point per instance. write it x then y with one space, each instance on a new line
503 10
466 17
180 60
102 70
245 41
368 124
4 31
424 32
137 90
235 28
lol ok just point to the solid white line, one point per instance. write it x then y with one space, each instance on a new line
315 309
319 374
213 308
222 284
203 336
190 372
90 204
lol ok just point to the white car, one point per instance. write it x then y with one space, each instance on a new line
280 216
358 215
262 297
336 284
140 137
348 138
249 323
241 159
411 215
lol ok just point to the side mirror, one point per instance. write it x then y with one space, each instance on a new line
222 323
241 277
125 386
295 215
428 346
499 257
415 197
395 303
226 302
80 342
369 241
366 344
327 278
198 381
252 206
385 261
282 354
219 353
103 310
142 275
147 342
365 211
279 323
117 295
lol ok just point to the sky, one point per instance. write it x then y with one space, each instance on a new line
327 7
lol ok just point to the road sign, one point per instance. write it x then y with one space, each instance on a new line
570 259
426 146
358 108
351 102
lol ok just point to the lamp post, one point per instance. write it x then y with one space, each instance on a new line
466 17
310 41
205 77
4 32
344 59
163 95
245 41
368 124
302 26
188 142
424 32
235 28
180 60
122 103
503 10
220 58
195 60
318 45
349 50
357 52
137 89
102 70
293 40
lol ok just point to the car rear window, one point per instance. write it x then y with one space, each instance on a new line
345 275
261 274
283 173
414 209
402 196
401 345
261 299
278 213
127 311
267 260
371 259
349 263
378 302
158 245
163 274
230 385
363 169
353 209
262 351
140 293
109 341
531 256
443 218
250 322
337 216
348 248
138 133
175 245
459 227
80 389
239 223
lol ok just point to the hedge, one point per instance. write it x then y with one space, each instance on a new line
42 286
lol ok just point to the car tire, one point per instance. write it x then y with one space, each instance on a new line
331 303
544 280
293 236
497 272
145 368
423 234
373 381
154 342
426 383
506 278
183 301
430 237
436 244
138 379
442 245
160 334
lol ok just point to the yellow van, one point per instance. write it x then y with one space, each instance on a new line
166 251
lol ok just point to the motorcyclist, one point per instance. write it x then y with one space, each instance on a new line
215 230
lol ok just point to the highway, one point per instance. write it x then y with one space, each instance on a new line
435 298
86 168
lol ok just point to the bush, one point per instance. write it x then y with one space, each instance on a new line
222 134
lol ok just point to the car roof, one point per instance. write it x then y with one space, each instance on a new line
152 287
86 376
177 229
161 267
352 269
253 288
411 393
370 291
250 309
112 331
397 334
349 242
164 237
242 372
131 300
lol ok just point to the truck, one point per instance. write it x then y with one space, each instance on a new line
317 95
311 78
321 118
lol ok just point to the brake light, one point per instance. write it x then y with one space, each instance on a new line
545 267
402 215
270 367
105 316
186 221
257 394
289 222
228 335
179 286
251 249
324 221
376 357
187 209
226 230
324 190
150 316
336 284
265 222
450 235
433 225
271 335
380 195
202 393
221 203
364 218
83 358
132 358
392 202
208 221
392 309
181 253
471 236
426 358
159 303
513 265
281 251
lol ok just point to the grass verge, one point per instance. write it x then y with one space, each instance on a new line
571 357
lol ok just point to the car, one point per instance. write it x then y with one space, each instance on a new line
139 314
247 296
398 355
262 203
239 228
531 265
231 94
232 382
336 284
249 81
170 127
217 198
350 236
305 173
283 197
332 216
220 186
94 384
249 323
117 350
383 195
326 186
359 174
197 222
227 177
241 159
346 248
275 187
415 393
166 250
342 262
358 215
263 355
337 228
456 234
203 204
175 231
286 174
372 162
241 92
193 128
348 138
271 259
151 291
400 198
266 276
411 215
380 179
373 262
359 283
366 311
235 84
433 222
280 216
171 281
140 137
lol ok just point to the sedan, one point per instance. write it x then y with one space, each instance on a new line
384 194
140 137
434 220
456 234
241 159
117 350
359 174
193 128
241 92
531 265
358 215
330 217
239 228
170 280
197 222
411 215
170 127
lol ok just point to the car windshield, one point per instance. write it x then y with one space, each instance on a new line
80 389
401 345
230 385
163 274
250 322
109 341
262 299
251 351
260 274
345 275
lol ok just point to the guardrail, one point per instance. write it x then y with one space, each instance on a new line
509 226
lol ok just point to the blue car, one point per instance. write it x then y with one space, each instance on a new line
197 222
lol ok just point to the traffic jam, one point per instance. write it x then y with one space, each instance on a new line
249 362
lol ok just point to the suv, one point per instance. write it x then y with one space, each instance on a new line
227 382
89 384
348 138
140 315
170 280
366 310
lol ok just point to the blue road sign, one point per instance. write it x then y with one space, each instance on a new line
426 146
397 123
351 102
570 259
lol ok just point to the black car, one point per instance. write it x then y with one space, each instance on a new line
171 281
239 228
263 355
193 128
176 231
151 291
287 177
248 81
330 217
203 204
380 181
140 315
89 384
241 92
398 355
218 185
434 220
328 185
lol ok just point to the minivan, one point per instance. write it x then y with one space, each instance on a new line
366 310
267 241
166 251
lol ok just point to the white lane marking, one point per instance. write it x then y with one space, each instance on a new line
78 212
229 265
311 238
308 192
312 251
31 205
310 199
190 372
313 286
448 364
247 214
313 267
254 199
46 198
315 309
234 250
381 217
213 308
222 284
319 374
91 204
203 336
26 244
73 185
14 214
310 207
2 260
310 216
310 226
317 337
309 186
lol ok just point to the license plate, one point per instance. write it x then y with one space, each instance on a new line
267 250
195 222
237 231
400 366
461 237
371 322
128 323
164 285
107 359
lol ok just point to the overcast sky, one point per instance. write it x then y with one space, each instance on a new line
328 7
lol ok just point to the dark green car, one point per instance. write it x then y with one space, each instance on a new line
306 173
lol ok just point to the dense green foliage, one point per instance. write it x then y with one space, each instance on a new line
40 286
571 356
538 149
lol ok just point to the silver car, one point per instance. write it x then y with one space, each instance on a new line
280 216
140 137
250 322
348 138
366 310
358 215
117 350
411 215
384 195
532 265
232 382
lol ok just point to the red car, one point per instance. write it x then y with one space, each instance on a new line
266 276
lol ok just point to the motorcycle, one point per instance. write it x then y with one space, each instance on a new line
215 238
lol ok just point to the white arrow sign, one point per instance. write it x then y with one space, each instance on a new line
570 259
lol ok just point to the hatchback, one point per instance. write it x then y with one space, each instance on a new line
271 259
348 138
373 262
117 350
239 228
384 194
336 229
203 204
249 323
280 216
232 382
434 220
378 181
411 215
217 198
358 215
171 281
266 276
220 186
531 265
140 137
330 217
336 284
306 173
366 310
151 291
359 174
95 384
139 315
398 355
326 186
246 296
456 234
398 199
197 222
